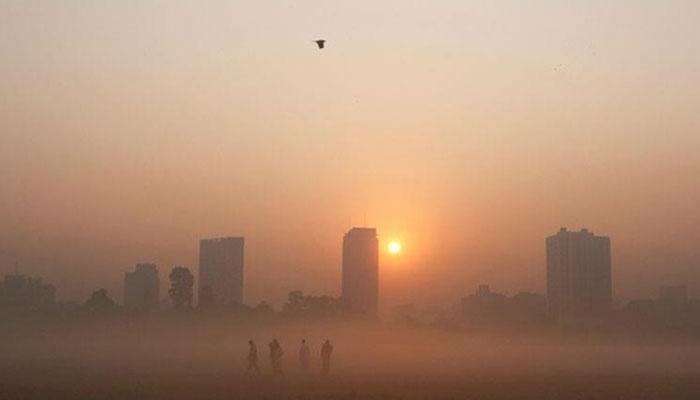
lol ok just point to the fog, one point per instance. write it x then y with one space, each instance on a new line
207 357
467 132
470 131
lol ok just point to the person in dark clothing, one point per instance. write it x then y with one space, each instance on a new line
276 354
326 352
252 358
304 356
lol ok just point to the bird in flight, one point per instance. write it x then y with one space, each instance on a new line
320 43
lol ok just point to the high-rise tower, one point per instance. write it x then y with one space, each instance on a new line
221 269
360 287
579 276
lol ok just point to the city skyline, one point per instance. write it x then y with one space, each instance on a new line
466 130
350 199
579 291
234 255
579 287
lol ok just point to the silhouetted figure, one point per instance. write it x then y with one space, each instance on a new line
320 43
304 356
276 353
326 352
252 358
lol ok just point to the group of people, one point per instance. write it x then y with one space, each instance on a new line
276 354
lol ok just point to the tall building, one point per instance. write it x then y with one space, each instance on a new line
142 288
360 286
579 276
221 270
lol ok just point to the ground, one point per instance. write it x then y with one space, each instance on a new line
206 360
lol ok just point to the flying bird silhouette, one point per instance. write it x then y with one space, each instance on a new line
320 43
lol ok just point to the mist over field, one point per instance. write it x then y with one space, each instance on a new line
468 199
205 358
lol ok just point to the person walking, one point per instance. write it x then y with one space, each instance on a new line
252 358
326 352
304 356
276 354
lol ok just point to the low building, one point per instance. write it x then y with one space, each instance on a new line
142 288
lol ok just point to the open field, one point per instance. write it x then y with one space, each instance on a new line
206 360
79 382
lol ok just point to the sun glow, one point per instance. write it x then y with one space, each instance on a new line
394 247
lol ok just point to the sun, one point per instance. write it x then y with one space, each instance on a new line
394 247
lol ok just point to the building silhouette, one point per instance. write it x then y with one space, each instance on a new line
579 278
142 288
485 309
221 270
360 286
484 305
22 291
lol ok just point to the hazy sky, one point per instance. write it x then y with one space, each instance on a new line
467 130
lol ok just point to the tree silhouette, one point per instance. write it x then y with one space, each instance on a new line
181 284
100 302
263 309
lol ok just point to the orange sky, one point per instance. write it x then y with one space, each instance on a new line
468 130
